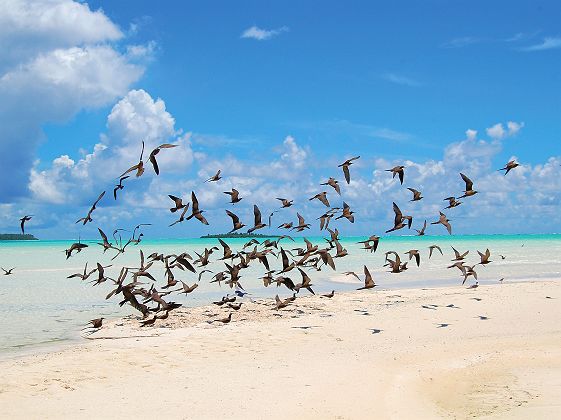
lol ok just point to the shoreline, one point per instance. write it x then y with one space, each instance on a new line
16 352
319 359
78 339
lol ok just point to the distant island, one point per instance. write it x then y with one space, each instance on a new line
17 237
239 235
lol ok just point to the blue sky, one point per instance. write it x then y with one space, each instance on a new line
390 81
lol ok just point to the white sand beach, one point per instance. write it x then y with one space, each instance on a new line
265 365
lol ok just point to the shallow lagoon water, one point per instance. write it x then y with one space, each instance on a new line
41 306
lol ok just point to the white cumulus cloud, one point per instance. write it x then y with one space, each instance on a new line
260 34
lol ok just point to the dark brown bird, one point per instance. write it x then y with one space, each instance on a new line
485 257
181 216
414 253
332 182
345 165
186 288
422 231
84 275
368 280
139 167
279 304
286 226
77 246
305 284
7 272
458 255
285 202
509 166
468 271
154 152
178 203
95 323
195 211
416 194
257 220
235 220
399 171
234 196
347 213
119 186
106 244
398 220
445 222
469 187
322 196
88 217
341 252
432 248
23 220
223 320
215 177
301 224
371 244
452 202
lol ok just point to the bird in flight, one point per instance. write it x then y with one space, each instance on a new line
399 171
509 166
345 165
24 219
88 217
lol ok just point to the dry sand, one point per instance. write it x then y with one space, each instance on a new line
265 365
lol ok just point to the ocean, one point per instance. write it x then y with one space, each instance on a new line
41 306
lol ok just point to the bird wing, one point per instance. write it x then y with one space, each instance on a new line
256 215
195 202
235 218
153 161
98 199
323 198
347 173
199 216
469 183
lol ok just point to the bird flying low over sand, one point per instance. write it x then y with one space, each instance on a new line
345 165
368 280
432 248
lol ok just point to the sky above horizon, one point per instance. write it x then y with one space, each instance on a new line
276 95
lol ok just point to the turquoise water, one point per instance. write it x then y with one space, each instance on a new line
40 305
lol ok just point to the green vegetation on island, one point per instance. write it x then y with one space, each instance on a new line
17 237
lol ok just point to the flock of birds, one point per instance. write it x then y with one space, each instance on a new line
153 303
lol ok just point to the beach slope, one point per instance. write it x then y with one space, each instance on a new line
491 352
